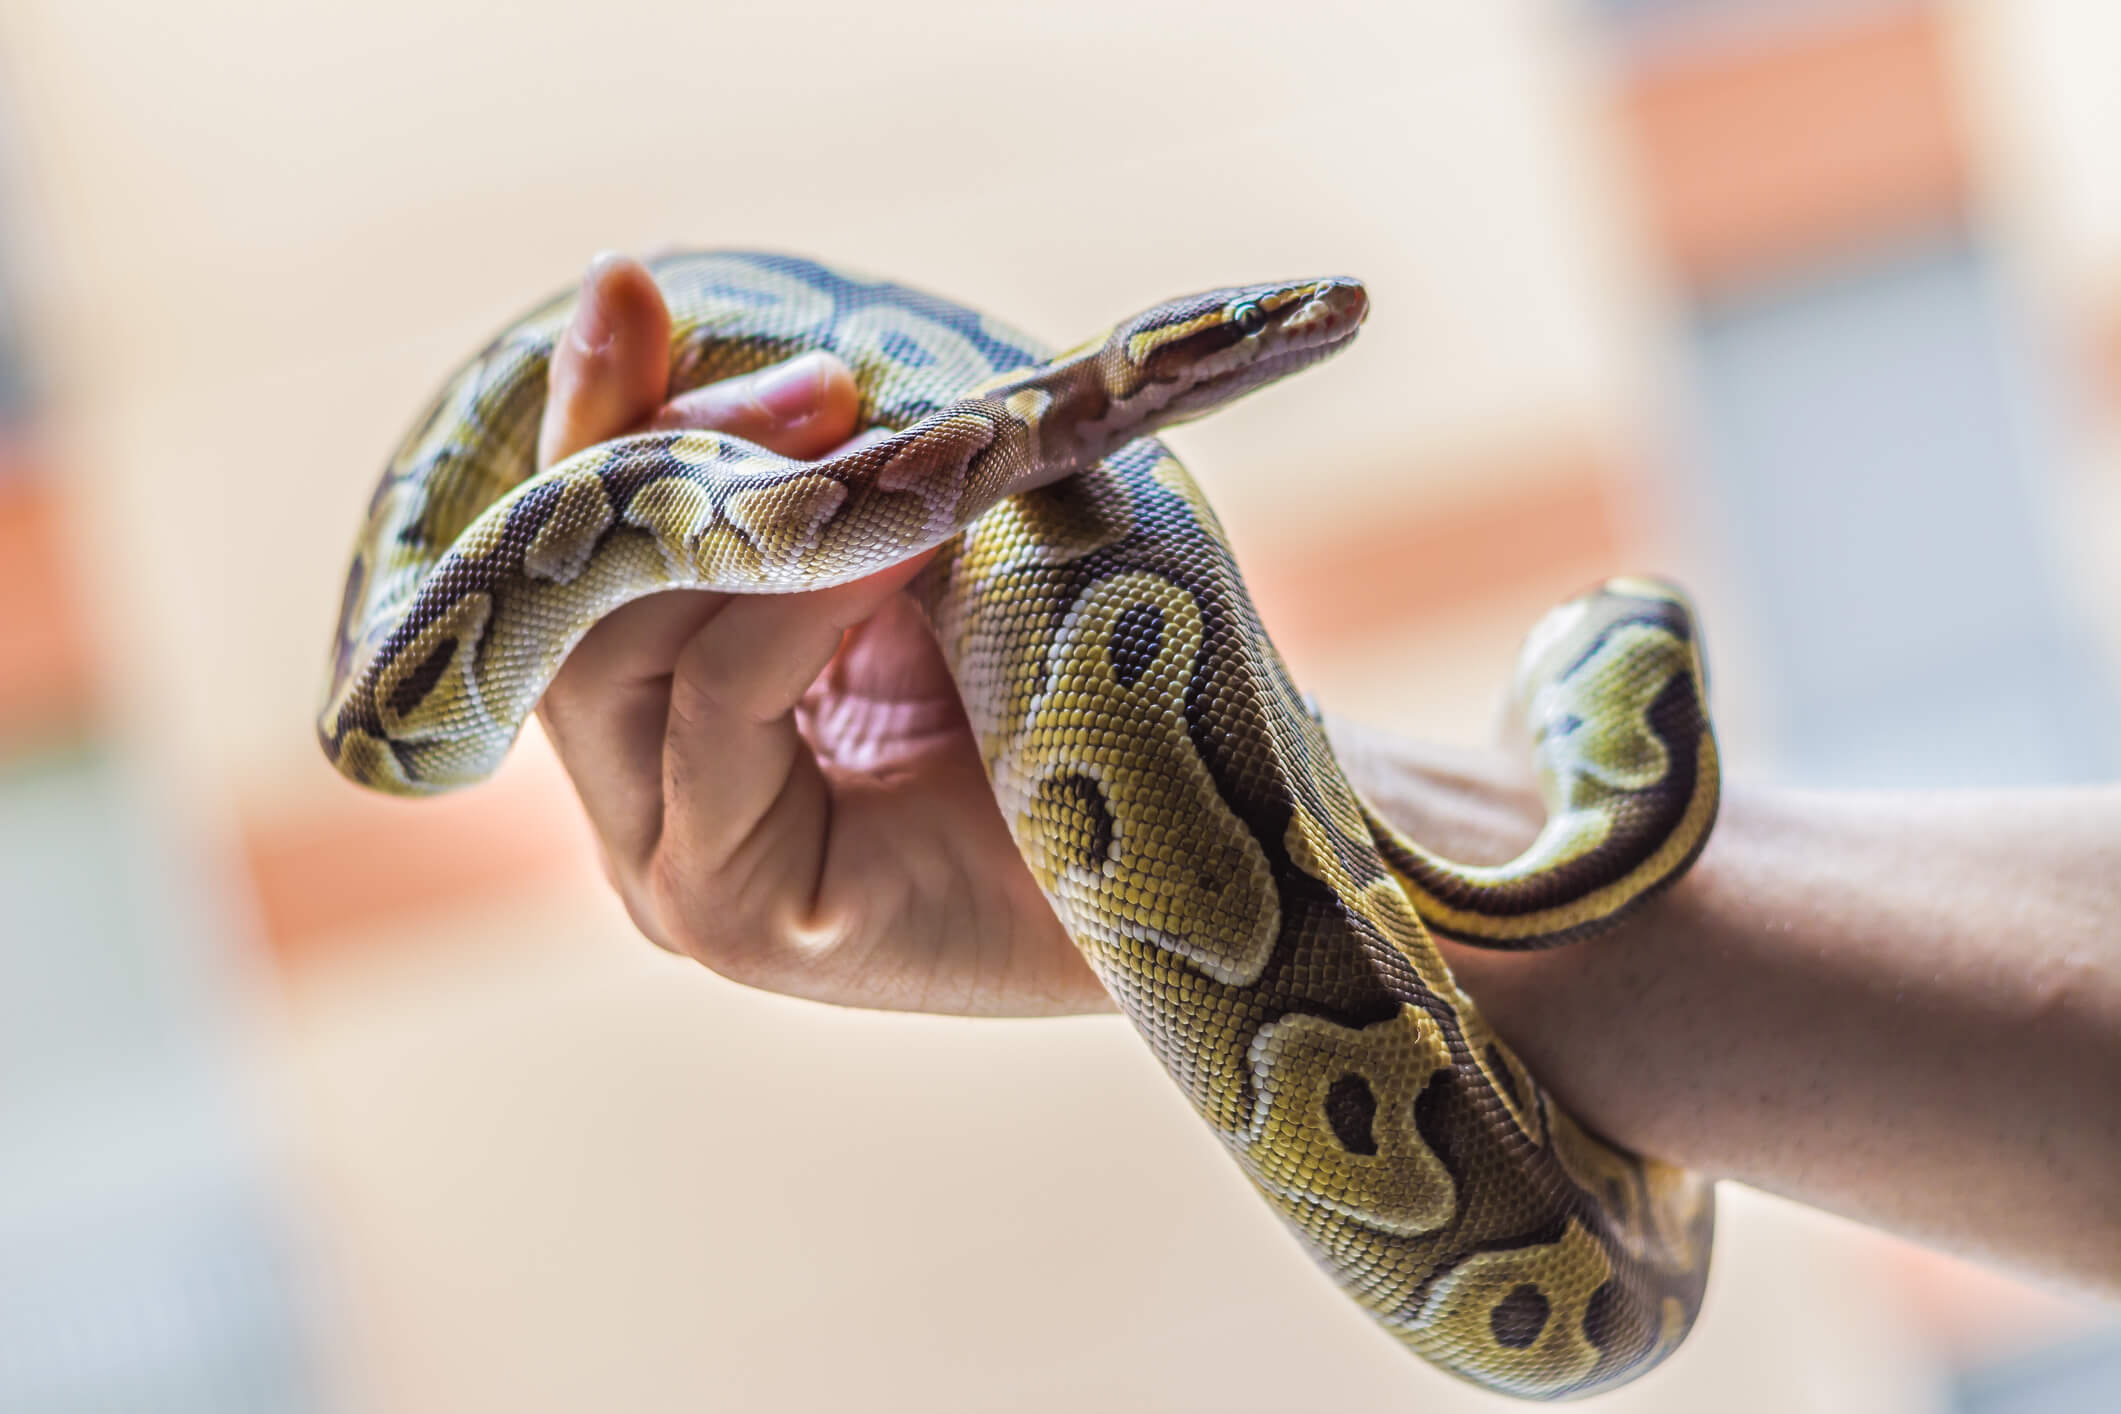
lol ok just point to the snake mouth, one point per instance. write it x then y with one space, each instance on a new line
1332 314
1280 365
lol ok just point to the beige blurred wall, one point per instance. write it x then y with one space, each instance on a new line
270 229
2043 107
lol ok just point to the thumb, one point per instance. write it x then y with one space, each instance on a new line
612 364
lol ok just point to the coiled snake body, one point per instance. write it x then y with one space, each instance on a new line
1168 787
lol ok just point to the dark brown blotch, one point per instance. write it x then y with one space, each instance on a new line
1604 1319
1500 1069
412 689
1136 640
1518 1318
1077 817
1351 1108
1171 359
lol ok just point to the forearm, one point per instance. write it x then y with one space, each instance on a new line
1902 1008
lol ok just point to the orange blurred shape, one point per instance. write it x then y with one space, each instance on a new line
2108 358
1557 524
1975 1315
349 863
47 682
1802 147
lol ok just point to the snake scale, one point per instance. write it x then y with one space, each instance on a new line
1269 935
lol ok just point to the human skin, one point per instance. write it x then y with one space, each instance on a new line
1902 1008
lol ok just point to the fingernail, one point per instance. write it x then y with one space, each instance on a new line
792 391
592 316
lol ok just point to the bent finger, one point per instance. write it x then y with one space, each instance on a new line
745 824
802 408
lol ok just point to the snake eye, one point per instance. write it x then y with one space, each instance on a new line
1248 317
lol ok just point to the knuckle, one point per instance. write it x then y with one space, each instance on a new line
558 709
718 407
714 931
694 699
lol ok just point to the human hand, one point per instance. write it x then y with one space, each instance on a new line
784 786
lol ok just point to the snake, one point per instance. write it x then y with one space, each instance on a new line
1266 930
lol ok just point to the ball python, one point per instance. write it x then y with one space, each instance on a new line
1266 930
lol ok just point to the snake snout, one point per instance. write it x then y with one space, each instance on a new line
1334 312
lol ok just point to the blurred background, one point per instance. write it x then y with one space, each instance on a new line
312 1101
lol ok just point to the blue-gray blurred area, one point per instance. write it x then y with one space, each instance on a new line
1878 449
1879 460
145 1253
145 1257
2082 1377
1658 22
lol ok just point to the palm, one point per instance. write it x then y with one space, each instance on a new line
920 884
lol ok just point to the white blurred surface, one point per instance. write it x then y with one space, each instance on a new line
146 1260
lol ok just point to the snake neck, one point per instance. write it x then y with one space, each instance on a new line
1066 416
1171 364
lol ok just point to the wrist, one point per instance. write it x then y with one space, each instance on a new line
1471 805
1559 1008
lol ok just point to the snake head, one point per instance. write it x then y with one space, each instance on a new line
1188 356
